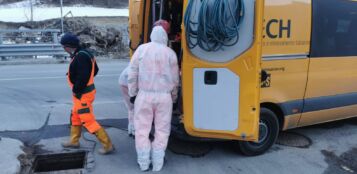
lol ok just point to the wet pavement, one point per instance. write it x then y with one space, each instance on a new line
344 163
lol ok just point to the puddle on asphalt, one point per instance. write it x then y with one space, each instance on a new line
346 163
293 139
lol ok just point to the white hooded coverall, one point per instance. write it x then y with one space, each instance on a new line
153 78
123 85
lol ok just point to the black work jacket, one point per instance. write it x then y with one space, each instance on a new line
80 70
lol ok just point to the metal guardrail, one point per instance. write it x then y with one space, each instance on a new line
31 49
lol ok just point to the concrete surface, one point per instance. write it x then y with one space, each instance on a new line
10 149
223 158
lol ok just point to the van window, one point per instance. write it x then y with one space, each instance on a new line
334 28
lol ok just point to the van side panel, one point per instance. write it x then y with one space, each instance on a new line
287 27
285 87
331 92
286 45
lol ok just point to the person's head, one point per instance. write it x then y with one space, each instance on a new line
70 42
164 24
159 35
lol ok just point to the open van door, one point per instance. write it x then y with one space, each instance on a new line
137 20
221 85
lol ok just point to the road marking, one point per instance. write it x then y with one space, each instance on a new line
54 77
69 103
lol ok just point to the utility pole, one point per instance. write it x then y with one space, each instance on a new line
31 5
62 16
161 8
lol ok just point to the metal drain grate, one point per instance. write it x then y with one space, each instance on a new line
61 161
293 139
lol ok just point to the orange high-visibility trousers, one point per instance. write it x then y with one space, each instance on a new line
82 112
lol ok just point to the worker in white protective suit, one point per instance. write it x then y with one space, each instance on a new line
123 85
153 80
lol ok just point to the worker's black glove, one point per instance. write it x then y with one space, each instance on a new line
132 99
174 106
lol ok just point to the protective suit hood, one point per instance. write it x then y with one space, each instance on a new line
159 35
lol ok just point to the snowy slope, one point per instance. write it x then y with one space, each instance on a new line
17 4
20 12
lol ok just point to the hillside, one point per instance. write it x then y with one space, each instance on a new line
104 30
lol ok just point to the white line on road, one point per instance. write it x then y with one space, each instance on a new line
95 103
54 77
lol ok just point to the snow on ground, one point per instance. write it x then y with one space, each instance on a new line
20 12
17 4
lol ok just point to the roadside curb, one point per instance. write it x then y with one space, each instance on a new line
32 61
52 61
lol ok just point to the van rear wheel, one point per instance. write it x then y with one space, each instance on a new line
268 133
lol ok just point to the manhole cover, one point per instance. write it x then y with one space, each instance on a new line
293 139
189 148
57 162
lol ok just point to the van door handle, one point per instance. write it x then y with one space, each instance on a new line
210 77
264 76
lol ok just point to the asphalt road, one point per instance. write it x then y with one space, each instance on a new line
31 93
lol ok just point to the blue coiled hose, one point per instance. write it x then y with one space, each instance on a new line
217 24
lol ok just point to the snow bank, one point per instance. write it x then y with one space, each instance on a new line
17 4
18 13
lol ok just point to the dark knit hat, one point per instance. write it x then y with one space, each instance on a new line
70 40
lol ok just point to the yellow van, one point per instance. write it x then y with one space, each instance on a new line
252 68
